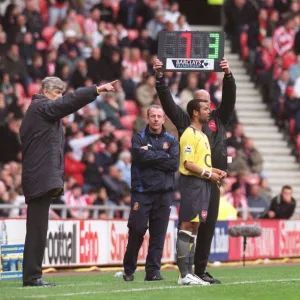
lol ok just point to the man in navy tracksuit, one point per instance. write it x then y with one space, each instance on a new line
155 158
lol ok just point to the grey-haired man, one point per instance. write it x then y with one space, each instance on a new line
42 138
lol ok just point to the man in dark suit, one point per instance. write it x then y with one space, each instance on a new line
42 138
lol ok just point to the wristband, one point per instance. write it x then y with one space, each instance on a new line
210 174
203 172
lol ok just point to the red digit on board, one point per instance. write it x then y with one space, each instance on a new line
188 37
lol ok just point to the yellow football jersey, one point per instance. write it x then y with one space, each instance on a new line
194 147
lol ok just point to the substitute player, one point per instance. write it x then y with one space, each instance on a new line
195 187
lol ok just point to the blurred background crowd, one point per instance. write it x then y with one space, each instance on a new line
92 42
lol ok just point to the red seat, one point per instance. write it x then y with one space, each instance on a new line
292 124
19 90
127 121
33 88
80 20
131 107
48 33
244 45
119 134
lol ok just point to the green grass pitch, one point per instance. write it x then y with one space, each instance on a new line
250 283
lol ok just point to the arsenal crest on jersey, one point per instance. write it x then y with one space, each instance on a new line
165 146
204 214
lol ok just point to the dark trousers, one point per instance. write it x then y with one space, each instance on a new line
152 209
206 232
36 236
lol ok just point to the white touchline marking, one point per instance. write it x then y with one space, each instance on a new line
157 288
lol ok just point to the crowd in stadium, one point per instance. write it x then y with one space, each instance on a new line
91 42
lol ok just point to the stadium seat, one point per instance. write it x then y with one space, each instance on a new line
119 134
80 20
33 88
244 45
131 107
127 121
20 92
292 124
48 33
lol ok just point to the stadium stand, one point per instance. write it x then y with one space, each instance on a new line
100 42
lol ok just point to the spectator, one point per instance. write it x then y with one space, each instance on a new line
112 110
35 23
141 121
278 91
95 64
98 197
73 23
92 173
188 93
115 186
91 24
251 156
181 24
3 45
237 164
107 14
68 51
59 36
57 11
37 71
73 167
226 211
14 65
172 14
145 12
7 89
106 158
107 129
156 25
264 189
128 13
11 149
27 49
136 65
238 200
143 41
128 84
256 201
146 91
124 165
294 70
75 198
9 22
283 205
79 76
236 140
284 36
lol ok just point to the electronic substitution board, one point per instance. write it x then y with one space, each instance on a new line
191 50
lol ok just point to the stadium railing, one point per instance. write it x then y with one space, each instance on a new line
112 209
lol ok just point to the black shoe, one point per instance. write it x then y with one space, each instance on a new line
39 282
208 278
154 278
128 277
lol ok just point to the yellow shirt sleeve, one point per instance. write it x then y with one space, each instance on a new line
188 146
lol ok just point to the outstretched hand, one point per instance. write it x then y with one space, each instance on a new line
107 87
225 66
157 65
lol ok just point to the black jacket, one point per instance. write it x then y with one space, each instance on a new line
282 209
42 138
153 170
220 116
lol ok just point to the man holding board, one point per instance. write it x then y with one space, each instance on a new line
215 131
